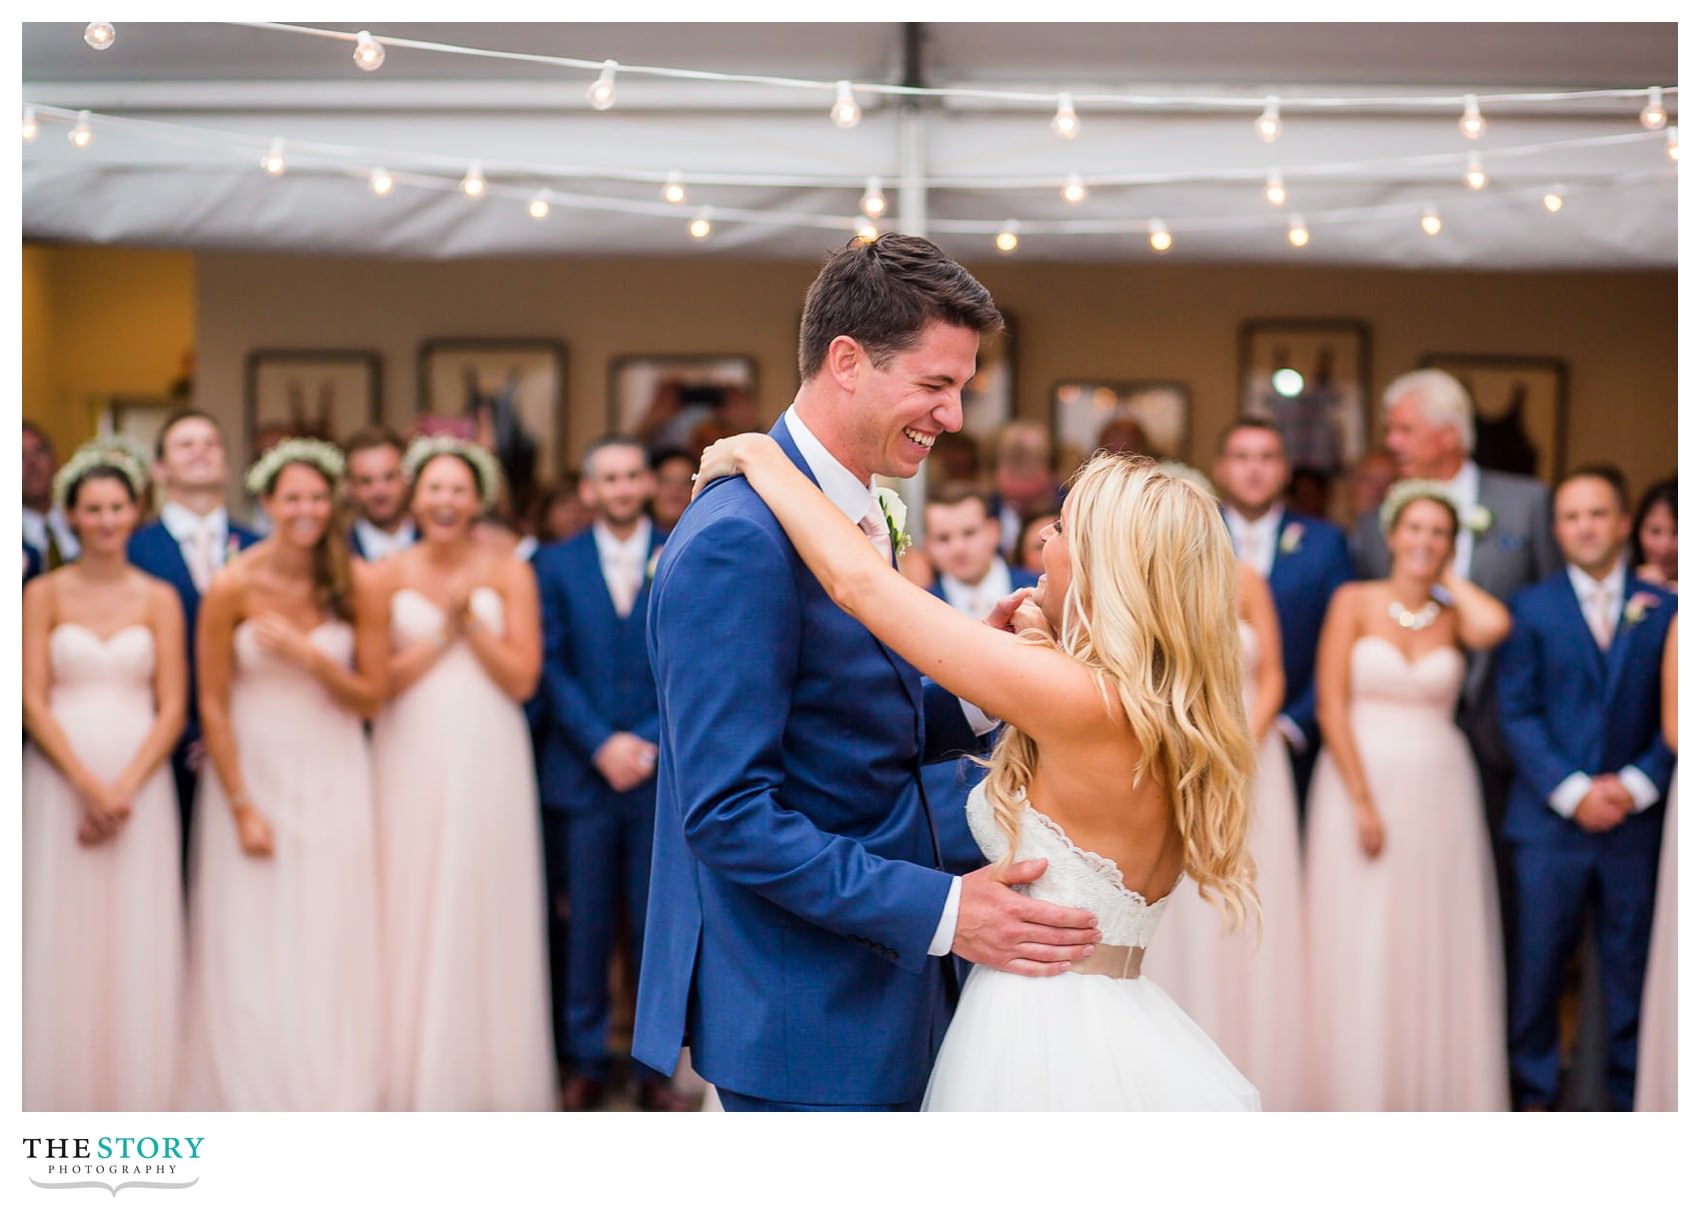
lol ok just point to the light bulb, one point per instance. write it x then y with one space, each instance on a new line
700 226
1670 143
538 207
1653 115
1472 124
1007 237
1268 124
381 182
845 112
674 190
81 134
1431 221
1553 200
1298 235
1161 240
601 93
1074 190
472 185
31 127
368 52
1066 123
99 34
866 231
1474 175
272 161
873 199
1274 192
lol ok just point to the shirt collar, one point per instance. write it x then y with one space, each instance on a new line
1585 585
839 483
376 538
1239 523
607 546
184 523
1466 486
995 583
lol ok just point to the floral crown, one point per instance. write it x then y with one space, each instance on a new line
112 451
485 470
1406 491
314 452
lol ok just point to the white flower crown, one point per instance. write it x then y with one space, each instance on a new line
314 452
1406 491
110 451
485 470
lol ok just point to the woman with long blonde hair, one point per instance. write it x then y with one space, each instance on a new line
1124 764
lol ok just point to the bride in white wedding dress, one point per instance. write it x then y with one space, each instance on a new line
1124 764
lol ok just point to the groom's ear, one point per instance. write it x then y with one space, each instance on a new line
844 362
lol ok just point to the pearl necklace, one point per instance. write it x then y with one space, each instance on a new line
1415 620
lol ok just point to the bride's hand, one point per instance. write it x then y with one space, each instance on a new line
728 457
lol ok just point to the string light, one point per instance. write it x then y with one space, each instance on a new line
1274 192
472 185
1008 236
1431 220
674 190
1160 239
368 52
1670 143
99 34
381 182
538 207
1074 190
873 199
845 112
1553 200
1298 235
31 125
866 231
81 134
1066 123
1653 116
1472 124
601 93
272 161
1268 123
1474 175
700 226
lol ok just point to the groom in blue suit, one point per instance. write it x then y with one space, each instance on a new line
799 924
1579 704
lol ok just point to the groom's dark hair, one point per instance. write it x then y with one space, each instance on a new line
883 293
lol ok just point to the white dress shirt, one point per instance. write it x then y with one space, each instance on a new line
977 601
36 528
851 496
184 524
1466 491
1569 793
619 555
1254 540
378 543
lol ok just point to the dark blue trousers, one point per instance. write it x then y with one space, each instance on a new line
734 1102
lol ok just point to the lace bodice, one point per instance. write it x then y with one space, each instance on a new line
1073 877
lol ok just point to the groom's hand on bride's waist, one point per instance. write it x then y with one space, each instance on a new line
1001 929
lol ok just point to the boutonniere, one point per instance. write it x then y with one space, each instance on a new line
232 545
1478 520
649 569
896 514
1636 609
1292 535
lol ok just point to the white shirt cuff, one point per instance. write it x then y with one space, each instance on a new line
1295 736
1640 788
978 721
946 933
1567 795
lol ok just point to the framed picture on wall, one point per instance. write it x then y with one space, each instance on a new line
988 399
666 398
325 394
1152 417
511 394
1310 376
1520 409
137 418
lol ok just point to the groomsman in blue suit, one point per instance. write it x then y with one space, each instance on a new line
186 545
378 494
962 540
597 759
1304 560
799 923
1579 704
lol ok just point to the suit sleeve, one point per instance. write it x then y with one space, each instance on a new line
727 633
1336 572
571 712
1522 706
1372 559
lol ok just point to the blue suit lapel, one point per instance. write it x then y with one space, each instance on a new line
1618 654
1569 609
588 560
170 559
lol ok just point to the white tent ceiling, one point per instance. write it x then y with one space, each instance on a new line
182 113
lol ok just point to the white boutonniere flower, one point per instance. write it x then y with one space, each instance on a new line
1291 536
896 514
1636 609
1478 520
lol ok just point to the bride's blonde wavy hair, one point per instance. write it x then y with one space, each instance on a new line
1151 610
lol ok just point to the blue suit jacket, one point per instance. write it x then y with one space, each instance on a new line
33 562
1301 582
949 782
153 550
1565 706
596 677
794 889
